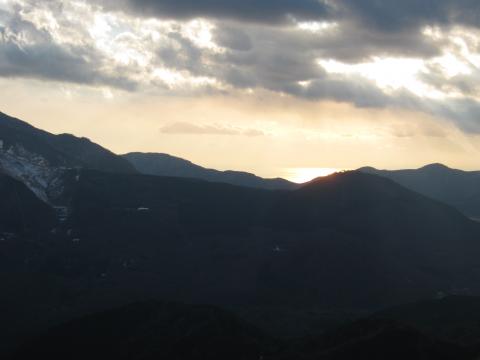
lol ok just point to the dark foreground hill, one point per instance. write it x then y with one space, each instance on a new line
453 318
349 242
167 165
376 339
152 330
350 239
458 188
158 330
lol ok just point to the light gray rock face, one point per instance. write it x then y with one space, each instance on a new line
33 170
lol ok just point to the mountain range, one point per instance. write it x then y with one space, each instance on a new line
84 230
167 165
458 188
37 158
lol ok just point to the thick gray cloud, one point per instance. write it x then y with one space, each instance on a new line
184 56
284 61
233 38
464 112
51 62
264 11
368 27
27 51
253 45
394 15
387 15
466 84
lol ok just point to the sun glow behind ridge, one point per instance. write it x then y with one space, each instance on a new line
302 175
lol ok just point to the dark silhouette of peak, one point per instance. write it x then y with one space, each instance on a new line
358 199
355 234
441 170
458 188
152 330
367 169
354 180
64 150
38 158
428 167
167 165
354 187
436 166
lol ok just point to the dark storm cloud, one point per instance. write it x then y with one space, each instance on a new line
279 60
265 11
185 56
387 15
258 46
233 38
269 61
353 90
270 67
26 51
345 42
51 62
367 27
464 112
395 15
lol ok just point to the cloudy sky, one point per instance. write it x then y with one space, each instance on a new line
275 87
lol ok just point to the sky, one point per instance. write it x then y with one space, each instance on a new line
290 88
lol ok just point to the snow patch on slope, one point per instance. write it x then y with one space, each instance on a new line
31 169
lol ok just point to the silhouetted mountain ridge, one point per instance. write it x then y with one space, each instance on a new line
38 158
458 188
351 241
60 150
294 247
167 165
